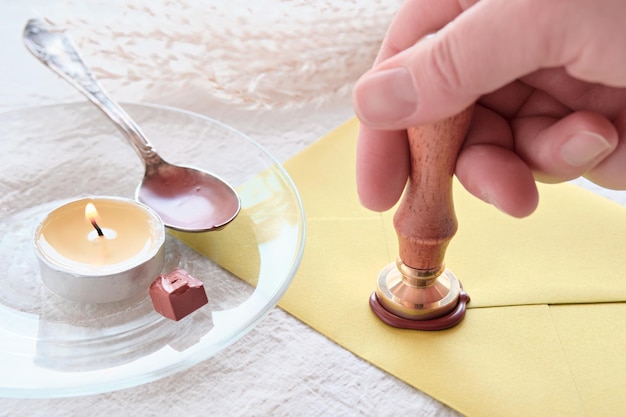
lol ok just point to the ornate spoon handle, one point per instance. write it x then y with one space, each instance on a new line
53 47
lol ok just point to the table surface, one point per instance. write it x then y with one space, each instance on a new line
282 367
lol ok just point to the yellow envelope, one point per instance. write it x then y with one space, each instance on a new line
545 333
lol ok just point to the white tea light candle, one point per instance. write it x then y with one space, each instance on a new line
100 249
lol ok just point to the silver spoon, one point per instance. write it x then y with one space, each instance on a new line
187 199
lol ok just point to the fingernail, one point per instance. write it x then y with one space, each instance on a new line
386 96
583 148
487 197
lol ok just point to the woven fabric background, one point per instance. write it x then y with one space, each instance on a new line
268 53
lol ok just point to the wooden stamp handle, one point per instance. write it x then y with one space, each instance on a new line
425 221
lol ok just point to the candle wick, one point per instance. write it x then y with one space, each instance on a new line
98 229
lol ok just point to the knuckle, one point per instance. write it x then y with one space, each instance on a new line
445 68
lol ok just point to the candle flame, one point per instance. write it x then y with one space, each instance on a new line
91 214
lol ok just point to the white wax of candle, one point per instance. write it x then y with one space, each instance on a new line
67 239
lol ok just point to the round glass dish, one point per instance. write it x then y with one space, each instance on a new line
52 347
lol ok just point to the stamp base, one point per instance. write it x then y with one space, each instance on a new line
440 323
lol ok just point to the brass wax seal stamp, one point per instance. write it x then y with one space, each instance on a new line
418 291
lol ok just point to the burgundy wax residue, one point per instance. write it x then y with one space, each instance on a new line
188 199
440 323
177 294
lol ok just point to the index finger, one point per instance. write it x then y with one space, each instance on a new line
382 156
478 52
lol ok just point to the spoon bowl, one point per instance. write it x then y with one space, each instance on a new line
185 198
188 199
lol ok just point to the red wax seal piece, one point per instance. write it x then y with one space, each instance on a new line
177 294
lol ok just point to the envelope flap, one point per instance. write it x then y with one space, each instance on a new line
566 252
572 250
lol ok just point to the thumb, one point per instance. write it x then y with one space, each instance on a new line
482 50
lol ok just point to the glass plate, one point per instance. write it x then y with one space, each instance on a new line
51 347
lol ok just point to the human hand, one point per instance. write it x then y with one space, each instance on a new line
547 77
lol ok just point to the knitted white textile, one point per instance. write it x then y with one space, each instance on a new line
258 54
